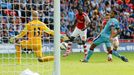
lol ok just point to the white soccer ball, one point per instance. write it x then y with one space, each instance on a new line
28 72
36 74
63 46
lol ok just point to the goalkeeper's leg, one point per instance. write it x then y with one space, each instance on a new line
41 58
18 53
46 58
21 45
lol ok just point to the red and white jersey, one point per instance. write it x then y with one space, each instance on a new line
82 20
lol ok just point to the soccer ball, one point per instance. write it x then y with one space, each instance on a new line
63 46
28 72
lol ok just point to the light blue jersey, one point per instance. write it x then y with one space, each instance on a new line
104 36
106 32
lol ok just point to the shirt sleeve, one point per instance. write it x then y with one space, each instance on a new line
47 30
87 19
23 32
117 25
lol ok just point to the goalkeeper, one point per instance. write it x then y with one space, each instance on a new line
34 31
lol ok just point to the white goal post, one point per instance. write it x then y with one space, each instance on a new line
57 37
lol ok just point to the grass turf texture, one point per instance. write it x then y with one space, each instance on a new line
70 65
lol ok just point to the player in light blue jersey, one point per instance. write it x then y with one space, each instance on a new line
115 42
106 36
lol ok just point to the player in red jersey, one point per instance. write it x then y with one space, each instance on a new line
82 21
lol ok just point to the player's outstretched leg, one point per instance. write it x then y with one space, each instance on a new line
123 58
115 43
18 53
86 59
85 49
46 58
68 50
90 53
109 54
69 47
40 56
115 53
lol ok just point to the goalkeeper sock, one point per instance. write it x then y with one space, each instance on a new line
18 54
46 59
115 53
90 53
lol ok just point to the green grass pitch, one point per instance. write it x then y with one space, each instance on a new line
70 65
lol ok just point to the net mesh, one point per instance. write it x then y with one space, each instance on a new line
15 14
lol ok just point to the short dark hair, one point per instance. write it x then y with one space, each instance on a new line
113 13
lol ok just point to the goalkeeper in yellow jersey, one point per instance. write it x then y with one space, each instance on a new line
34 30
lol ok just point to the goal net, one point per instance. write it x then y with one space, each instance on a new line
15 16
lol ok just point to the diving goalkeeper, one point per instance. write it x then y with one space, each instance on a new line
34 31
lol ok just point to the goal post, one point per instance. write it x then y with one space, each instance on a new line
57 37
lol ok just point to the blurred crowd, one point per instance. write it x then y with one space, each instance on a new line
14 14
97 10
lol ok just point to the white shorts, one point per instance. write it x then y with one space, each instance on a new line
77 32
115 42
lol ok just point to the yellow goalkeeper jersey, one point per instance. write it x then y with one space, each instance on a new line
35 29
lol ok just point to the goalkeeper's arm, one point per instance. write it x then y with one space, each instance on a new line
18 48
47 30
20 35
